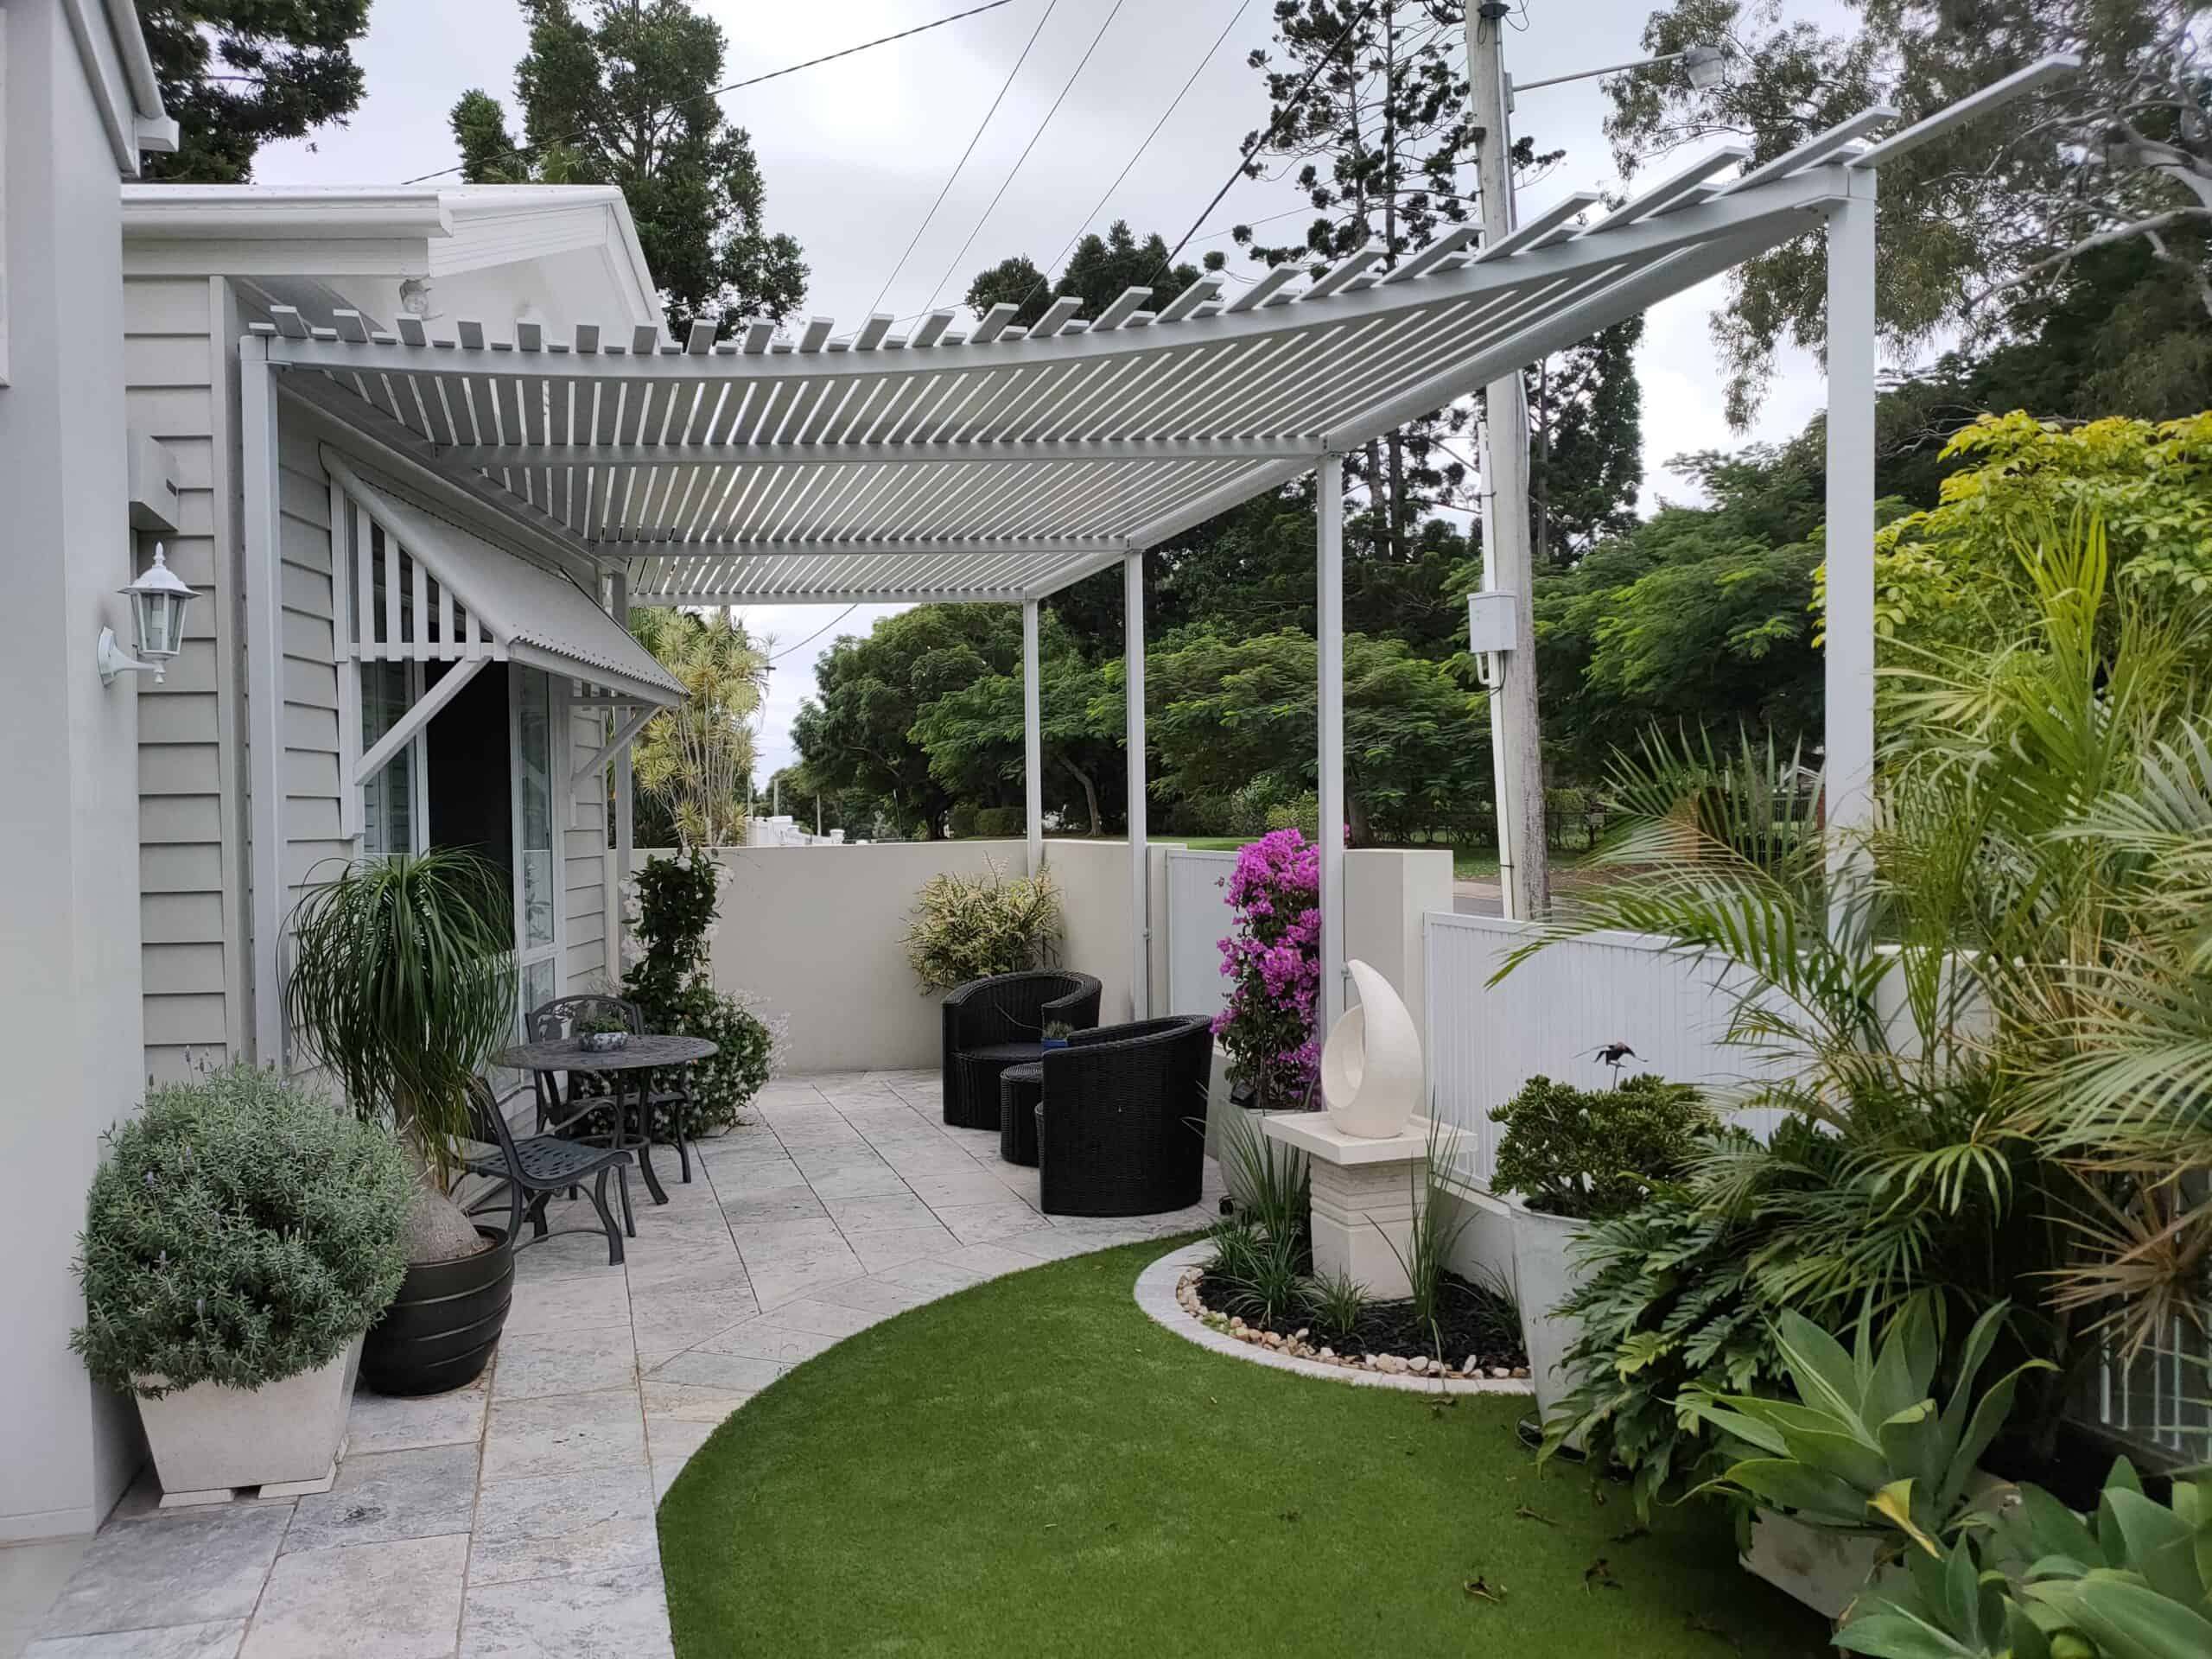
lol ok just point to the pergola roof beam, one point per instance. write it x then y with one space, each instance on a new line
984 451
2059 65
1820 147
1670 191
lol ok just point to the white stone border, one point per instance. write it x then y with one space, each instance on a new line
1155 1294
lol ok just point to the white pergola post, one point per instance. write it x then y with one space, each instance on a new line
1850 652
265 660
1139 876
625 804
1329 635
1032 740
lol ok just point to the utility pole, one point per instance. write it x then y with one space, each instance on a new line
1517 742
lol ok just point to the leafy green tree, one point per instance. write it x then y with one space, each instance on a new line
1098 270
1585 446
973 736
238 74
1698 617
2122 154
856 732
1228 709
622 94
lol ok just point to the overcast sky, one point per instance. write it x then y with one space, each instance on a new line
855 151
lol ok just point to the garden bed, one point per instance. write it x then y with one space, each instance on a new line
1476 1334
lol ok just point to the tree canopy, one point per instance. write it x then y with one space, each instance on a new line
238 74
1980 219
623 94
1098 269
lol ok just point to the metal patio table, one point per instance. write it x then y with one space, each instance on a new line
643 1055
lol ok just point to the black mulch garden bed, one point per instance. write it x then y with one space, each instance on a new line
1474 1320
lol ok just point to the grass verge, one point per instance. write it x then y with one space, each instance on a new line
1034 1467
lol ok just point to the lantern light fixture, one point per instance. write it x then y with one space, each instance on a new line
158 601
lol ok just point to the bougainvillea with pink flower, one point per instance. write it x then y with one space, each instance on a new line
1273 963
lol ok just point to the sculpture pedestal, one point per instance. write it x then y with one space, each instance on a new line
1365 1195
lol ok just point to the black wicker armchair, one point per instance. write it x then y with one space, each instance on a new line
1122 1128
990 1023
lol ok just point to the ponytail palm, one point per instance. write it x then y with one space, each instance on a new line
402 984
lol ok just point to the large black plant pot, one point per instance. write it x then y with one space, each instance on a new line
440 1332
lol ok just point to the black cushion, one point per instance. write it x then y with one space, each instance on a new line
1014 1053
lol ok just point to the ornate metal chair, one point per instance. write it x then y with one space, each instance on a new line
528 1173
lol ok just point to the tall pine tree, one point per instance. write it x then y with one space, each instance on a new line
624 95
238 74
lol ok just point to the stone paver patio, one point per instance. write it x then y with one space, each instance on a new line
516 1517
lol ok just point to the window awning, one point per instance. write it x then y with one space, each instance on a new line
423 590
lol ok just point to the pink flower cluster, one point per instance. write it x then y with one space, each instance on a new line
1274 959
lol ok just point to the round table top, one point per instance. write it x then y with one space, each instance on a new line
561 1054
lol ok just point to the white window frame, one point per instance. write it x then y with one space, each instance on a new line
556 780
415 757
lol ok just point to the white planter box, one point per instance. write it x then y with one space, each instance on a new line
1545 1275
1824 1570
208 1440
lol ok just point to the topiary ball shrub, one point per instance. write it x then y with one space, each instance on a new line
1589 1153
242 1230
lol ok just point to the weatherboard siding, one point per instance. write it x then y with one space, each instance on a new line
189 915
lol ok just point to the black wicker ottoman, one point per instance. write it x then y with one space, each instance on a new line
1021 1089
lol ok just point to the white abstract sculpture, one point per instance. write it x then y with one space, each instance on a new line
1372 1070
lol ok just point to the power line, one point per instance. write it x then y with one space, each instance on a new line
1321 61
964 154
736 85
1044 277
816 635
1024 156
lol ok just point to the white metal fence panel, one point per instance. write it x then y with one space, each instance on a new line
1553 1013
1198 917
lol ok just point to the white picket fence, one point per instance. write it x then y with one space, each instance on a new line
1199 917
1551 1015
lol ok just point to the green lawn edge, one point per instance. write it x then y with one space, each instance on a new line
1034 1466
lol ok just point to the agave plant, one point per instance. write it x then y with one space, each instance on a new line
2039 1582
1864 1447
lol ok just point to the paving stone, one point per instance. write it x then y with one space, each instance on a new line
785 1278
673 1442
734 1373
383 1422
563 1433
177 1568
763 1339
570 1302
590 1521
869 1296
878 1251
989 1260
537 1363
388 1495
691 1403
879 1215
978 1223
851 1178
581 1616
218 1640
400 1600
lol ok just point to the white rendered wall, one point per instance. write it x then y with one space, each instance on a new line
70 1020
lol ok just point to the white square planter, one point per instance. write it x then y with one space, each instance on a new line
1545 1273
207 1439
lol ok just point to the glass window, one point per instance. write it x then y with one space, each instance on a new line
388 800
534 783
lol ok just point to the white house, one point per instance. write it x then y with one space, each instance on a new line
153 941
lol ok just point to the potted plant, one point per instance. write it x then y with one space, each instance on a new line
1056 1034
1269 1027
602 1033
238 1240
1574 1156
403 984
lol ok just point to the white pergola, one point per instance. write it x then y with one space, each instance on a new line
1000 464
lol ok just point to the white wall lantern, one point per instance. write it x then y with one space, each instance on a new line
158 602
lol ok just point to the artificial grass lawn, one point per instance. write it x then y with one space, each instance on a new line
1034 1467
